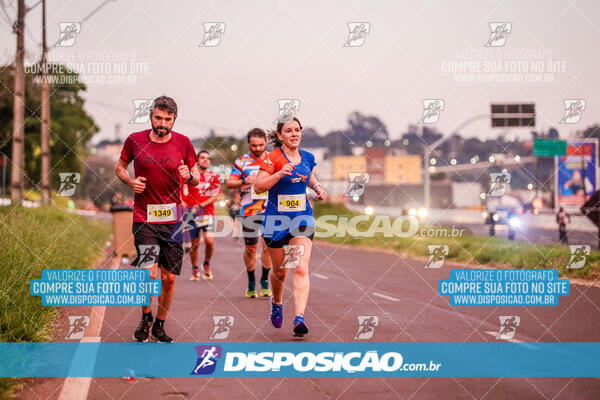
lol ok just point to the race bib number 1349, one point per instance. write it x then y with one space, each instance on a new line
162 212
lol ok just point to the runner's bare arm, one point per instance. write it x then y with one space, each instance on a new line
185 171
196 172
137 184
234 182
208 202
316 186
265 180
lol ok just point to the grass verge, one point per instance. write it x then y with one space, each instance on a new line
33 240
468 249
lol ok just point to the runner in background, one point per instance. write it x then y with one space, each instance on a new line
561 220
161 159
286 172
242 177
234 206
199 212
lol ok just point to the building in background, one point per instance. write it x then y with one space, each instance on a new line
343 165
382 168
403 170
108 148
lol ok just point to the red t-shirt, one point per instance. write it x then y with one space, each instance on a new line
158 163
209 186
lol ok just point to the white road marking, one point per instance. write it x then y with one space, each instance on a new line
79 388
320 276
383 296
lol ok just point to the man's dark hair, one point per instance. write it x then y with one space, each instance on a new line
273 135
165 103
202 151
256 132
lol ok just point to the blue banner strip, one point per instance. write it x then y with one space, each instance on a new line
300 359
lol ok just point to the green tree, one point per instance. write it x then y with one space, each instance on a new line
70 129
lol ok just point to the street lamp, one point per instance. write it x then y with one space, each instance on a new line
430 149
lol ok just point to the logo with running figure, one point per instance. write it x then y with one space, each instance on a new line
213 31
148 255
357 183
188 223
499 182
499 32
573 111
77 326
357 33
68 33
207 359
292 255
366 326
432 109
141 111
508 327
437 255
579 254
223 324
68 183
287 110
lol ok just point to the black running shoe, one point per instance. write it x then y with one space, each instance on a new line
141 333
158 333
300 328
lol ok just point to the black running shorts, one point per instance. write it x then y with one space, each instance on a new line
170 250
301 231
251 225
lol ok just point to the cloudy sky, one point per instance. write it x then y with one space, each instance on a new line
274 50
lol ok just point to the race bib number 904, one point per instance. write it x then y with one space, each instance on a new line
162 212
291 202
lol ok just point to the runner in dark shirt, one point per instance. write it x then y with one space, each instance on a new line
160 158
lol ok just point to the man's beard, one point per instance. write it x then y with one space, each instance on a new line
257 153
161 133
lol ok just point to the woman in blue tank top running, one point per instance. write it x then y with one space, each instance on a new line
288 221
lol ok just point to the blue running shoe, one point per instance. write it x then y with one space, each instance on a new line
300 328
276 314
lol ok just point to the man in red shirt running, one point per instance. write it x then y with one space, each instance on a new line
161 158
199 212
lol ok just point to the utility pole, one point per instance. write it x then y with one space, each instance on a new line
45 131
45 123
18 134
117 132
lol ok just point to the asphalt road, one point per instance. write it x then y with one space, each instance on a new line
346 283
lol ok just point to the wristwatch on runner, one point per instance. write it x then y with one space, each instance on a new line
191 177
